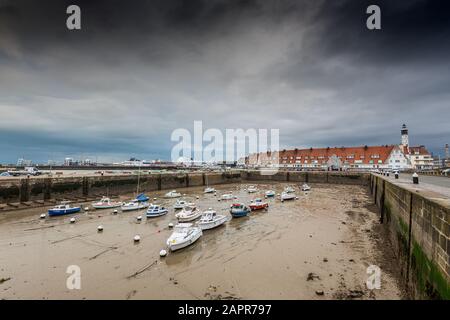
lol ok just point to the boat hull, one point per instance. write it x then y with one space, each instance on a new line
258 206
108 206
181 245
134 208
188 218
212 224
239 213
60 212
155 215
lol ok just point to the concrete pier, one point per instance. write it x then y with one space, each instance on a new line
418 225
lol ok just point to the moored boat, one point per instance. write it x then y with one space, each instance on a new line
289 189
227 196
172 194
134 205
184 234
252 189
209 190
239 210
305 187
142 197
287 196
210 219
156 211
270 193
106 203
189 213
180 204
258 204
63 208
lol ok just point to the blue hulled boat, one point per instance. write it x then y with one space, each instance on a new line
239 210
62 209
142 198
156 211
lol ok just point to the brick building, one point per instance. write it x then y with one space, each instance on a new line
364 157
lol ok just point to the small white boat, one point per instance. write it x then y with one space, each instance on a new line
287 196
210 219
180 204
252 189
134 205
188 213
305 187
270 193
184 234
289 189
172 194
106 203
227 196
156 211
209 190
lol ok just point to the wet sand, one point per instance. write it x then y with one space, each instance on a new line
324 241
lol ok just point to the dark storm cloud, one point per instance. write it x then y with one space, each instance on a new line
138 70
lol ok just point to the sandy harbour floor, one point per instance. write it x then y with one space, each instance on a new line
324 241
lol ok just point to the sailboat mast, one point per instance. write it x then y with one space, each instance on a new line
139 177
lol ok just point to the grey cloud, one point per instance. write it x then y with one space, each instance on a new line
135 72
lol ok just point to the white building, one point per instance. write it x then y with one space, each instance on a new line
397 160
418 156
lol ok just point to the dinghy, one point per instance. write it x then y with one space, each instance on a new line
106 203
156 211
209 190
172 194
287 196
258 204
180 204
305 187
63 208
210 219
270 193
227 196
252 189
188 213
239 210
289 189
184 234
134 205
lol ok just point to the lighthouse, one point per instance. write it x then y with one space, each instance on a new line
405 140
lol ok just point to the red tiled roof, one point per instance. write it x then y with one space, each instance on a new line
365 154
420 149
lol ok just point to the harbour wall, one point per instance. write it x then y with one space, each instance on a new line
418 229
27 191
17 193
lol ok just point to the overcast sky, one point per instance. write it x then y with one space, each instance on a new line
140 69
